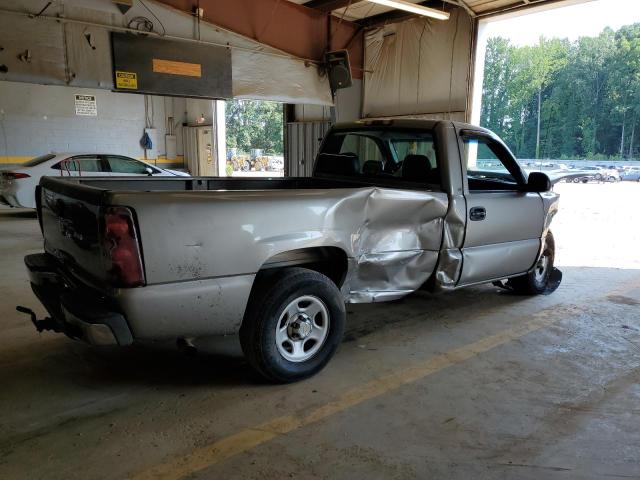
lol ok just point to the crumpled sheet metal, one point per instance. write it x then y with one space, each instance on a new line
551 202
455 222
390 275
394 249
449 269
449 266
383 220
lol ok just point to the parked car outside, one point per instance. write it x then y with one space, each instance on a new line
597 173
612 174
18 185
631 174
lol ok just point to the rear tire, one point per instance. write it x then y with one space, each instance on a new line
536 281
293 324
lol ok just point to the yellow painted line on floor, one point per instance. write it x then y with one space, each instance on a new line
249 438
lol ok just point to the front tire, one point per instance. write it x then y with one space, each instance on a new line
537 281
293 324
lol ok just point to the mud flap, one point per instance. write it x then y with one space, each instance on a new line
555 278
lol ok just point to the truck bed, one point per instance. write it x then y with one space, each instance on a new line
186 226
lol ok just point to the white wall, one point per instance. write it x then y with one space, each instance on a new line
36 119
197 107
348 104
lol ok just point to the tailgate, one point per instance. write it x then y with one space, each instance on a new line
70 215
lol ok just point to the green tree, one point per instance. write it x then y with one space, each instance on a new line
255 124
625 85
565 99
538 65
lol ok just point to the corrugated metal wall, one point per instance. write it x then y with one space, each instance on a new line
303 141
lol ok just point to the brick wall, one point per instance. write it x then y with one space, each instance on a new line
37 119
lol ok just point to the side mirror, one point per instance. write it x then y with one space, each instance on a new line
538 182
149 171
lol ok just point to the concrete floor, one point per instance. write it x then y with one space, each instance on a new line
474 384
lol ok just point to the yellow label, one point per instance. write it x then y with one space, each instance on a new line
177 68
127 80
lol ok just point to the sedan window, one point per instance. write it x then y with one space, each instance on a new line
80 164
128 165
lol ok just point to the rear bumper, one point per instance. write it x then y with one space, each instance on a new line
76 311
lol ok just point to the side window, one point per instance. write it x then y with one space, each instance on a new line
127 165
485 169
87 164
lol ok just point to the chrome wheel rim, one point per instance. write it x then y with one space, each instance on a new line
302 328
541 268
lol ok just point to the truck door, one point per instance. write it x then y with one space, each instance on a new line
504 221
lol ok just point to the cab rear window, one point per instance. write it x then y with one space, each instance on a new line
381 155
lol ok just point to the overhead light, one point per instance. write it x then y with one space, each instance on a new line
413 8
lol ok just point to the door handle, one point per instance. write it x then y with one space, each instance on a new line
477 213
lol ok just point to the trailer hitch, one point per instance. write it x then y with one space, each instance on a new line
46 323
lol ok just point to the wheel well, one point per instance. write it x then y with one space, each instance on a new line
330 261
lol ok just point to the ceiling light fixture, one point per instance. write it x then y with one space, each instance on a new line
413 8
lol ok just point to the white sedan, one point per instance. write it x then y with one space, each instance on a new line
18 185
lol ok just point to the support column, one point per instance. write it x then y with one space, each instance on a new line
220 135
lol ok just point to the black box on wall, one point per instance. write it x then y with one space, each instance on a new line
143 64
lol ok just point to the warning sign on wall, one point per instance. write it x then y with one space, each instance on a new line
86 105
128 80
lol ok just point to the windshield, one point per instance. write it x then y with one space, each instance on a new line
38 160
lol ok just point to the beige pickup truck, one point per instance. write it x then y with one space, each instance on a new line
392 207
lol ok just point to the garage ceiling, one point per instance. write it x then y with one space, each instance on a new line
358 10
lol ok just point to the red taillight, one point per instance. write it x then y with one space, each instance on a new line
121 249
15 175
